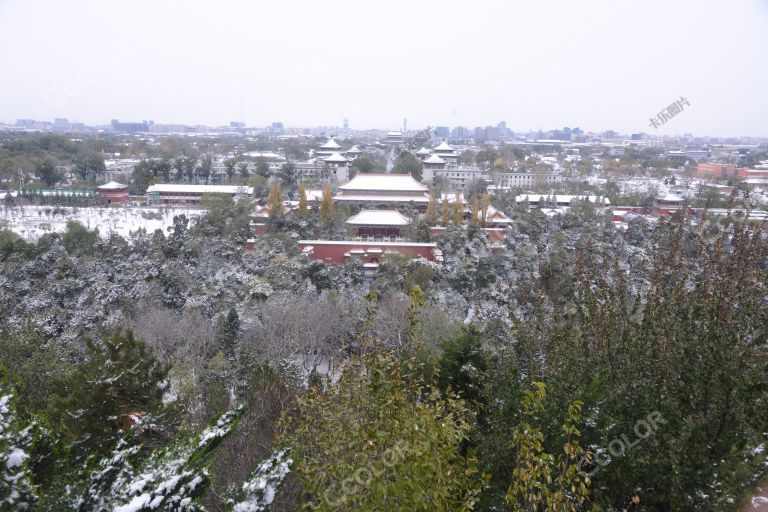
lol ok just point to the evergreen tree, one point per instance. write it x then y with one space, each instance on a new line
16 490
229 332
119 383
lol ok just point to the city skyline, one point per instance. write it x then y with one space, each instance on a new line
600 66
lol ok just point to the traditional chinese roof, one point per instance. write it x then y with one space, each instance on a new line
335 158
354 149
444 146
383 183
112 185
378 218
423 151
434 159
331 144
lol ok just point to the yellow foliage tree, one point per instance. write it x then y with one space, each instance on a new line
326 204
475 220
431 214
485 203
458 210
275 199
446 213
302 200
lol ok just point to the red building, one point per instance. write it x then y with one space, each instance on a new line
114 192
336 252
378 225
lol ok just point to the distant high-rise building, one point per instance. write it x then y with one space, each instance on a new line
405 125
277 128
479 134
143 126
502 127
25 122
442 132
61 124
346 123
459 132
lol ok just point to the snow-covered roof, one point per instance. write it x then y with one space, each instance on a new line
269 155
444 146
313 194
424 198
434 159
112 185
423 151
669 197
199 189
354 149
331 144
378 218
383 183
334 158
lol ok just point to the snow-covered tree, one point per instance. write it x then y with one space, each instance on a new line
16 489
167 480
259 491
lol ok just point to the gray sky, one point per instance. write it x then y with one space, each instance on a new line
536 65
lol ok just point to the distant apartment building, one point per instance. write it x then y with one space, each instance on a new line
617 151
523 179
458 176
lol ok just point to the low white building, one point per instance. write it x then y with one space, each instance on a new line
183 194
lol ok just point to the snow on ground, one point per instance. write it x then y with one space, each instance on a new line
30 222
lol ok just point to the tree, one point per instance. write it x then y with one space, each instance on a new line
16 489
445 216
431 214
79 240
229 332
275 200
46 172
364 164
119 383
485 204
326 203
244 172
262 168
475 220
541 481
302 201
229 164
406 163
458 210
372 440
204 170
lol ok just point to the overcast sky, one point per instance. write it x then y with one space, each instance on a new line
536 65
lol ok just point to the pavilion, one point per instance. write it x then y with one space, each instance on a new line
378 225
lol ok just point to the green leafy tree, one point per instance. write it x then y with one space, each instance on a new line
406 163
46 172
542 481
